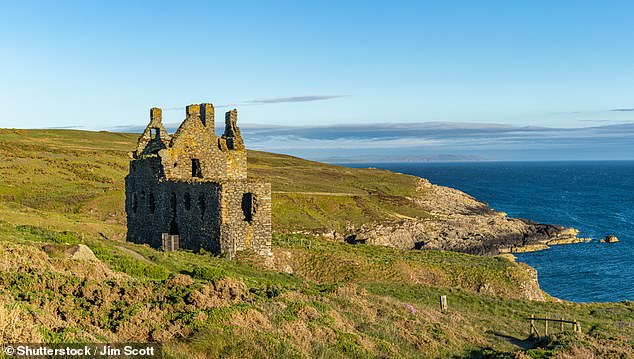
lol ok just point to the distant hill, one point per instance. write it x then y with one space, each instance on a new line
74 180
70 179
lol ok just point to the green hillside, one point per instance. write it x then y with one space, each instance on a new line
317 299
68 179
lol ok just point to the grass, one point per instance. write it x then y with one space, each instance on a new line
318 299
342 301
74 180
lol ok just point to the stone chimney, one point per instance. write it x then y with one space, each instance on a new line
156 116
207 115
192 111
232 132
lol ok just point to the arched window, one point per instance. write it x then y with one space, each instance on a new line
188 201
202 206
248 206
197 171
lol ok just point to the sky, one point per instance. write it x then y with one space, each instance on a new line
437 142
100 64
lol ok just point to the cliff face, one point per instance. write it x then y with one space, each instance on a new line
461 223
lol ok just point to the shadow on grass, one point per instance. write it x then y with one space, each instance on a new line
525 344
490 353
486 353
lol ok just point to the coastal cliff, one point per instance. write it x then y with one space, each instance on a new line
461 223
62 206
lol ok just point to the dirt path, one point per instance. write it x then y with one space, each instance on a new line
341 194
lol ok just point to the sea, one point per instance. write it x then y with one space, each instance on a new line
596 197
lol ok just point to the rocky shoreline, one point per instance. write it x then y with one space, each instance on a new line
461 223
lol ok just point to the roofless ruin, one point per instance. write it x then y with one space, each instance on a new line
191 190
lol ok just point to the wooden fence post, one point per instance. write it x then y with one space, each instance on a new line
576 325
443 303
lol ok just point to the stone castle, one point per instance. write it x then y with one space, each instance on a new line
190 189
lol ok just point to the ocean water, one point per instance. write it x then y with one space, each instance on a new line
595 197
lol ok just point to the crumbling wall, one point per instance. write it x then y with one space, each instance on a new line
244 225
194 184
155 137
236 154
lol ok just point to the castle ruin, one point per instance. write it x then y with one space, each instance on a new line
190 189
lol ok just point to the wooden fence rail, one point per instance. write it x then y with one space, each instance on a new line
576 326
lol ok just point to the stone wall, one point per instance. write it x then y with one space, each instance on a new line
246 216
189 209
194 184
155 137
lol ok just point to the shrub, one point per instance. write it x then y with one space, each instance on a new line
208 273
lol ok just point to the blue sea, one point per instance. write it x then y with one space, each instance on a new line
595 197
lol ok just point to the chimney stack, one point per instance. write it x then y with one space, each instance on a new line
207 115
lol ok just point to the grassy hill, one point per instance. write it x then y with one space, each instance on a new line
68 179
318 299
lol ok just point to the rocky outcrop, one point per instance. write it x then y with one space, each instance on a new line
459 222
609 239
80 252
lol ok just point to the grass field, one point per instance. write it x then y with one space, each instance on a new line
341 301
318 299
73 180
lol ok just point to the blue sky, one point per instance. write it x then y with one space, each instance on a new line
100 64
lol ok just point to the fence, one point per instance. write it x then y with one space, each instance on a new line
576 326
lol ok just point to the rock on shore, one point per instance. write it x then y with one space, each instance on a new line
461 223
610 239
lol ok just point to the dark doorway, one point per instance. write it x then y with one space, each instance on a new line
173 231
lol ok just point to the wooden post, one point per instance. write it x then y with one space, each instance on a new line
577 327
443 303
546 327
561 327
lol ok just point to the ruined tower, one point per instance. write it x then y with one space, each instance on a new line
192 189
